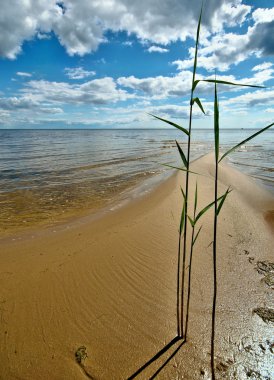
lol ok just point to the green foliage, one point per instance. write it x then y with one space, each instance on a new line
197 235
199 104
195 199
216 123
178 168
183 193
171 123
217 203
206 208
223 200
183 157
224 82
182 220
192 222
196 49
244 141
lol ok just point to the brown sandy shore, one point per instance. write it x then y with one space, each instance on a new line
110 285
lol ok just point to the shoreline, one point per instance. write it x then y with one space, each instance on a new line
130 194
110 285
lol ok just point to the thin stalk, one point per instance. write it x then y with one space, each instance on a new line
187 174
186 209
216 140
214 274
189 278
190 257
178 286
182 221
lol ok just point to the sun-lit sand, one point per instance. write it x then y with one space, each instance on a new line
110 285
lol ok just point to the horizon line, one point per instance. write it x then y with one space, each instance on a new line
120 129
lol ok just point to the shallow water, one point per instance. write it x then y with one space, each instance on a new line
48 175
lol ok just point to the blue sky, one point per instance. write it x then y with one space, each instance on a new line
106 64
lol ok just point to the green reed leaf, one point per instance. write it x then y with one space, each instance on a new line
199 104
196 236
222 200
171 123
183 193
195 84
176 167
206 208
224 82
182 221
196 199
183 157
216 123
244 141
192 222
196 48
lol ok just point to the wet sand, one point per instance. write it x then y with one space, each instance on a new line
269 217
110 285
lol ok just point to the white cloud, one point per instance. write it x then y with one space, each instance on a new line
26 103
21 19
262 15
78 73
157 49
43 36
225 49
162 87
231 13
38 99
128 43
23 74
220 53
80 26
173 111
159 87
46 97
97 91
262 76
51 110
4 114
262 66
251 99
14 102
183 64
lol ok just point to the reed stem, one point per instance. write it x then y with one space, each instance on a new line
189 279
214 272
186 210
178 286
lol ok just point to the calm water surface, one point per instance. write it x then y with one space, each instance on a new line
47 175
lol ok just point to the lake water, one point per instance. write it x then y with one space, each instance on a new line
49 175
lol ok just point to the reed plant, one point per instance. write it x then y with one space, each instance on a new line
217 209
181 260
183 285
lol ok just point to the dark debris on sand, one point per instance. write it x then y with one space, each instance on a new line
266 268
267 315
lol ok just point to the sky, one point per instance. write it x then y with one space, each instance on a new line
109 63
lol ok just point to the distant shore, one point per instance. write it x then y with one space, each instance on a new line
109 284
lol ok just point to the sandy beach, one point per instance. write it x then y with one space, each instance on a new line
110 285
